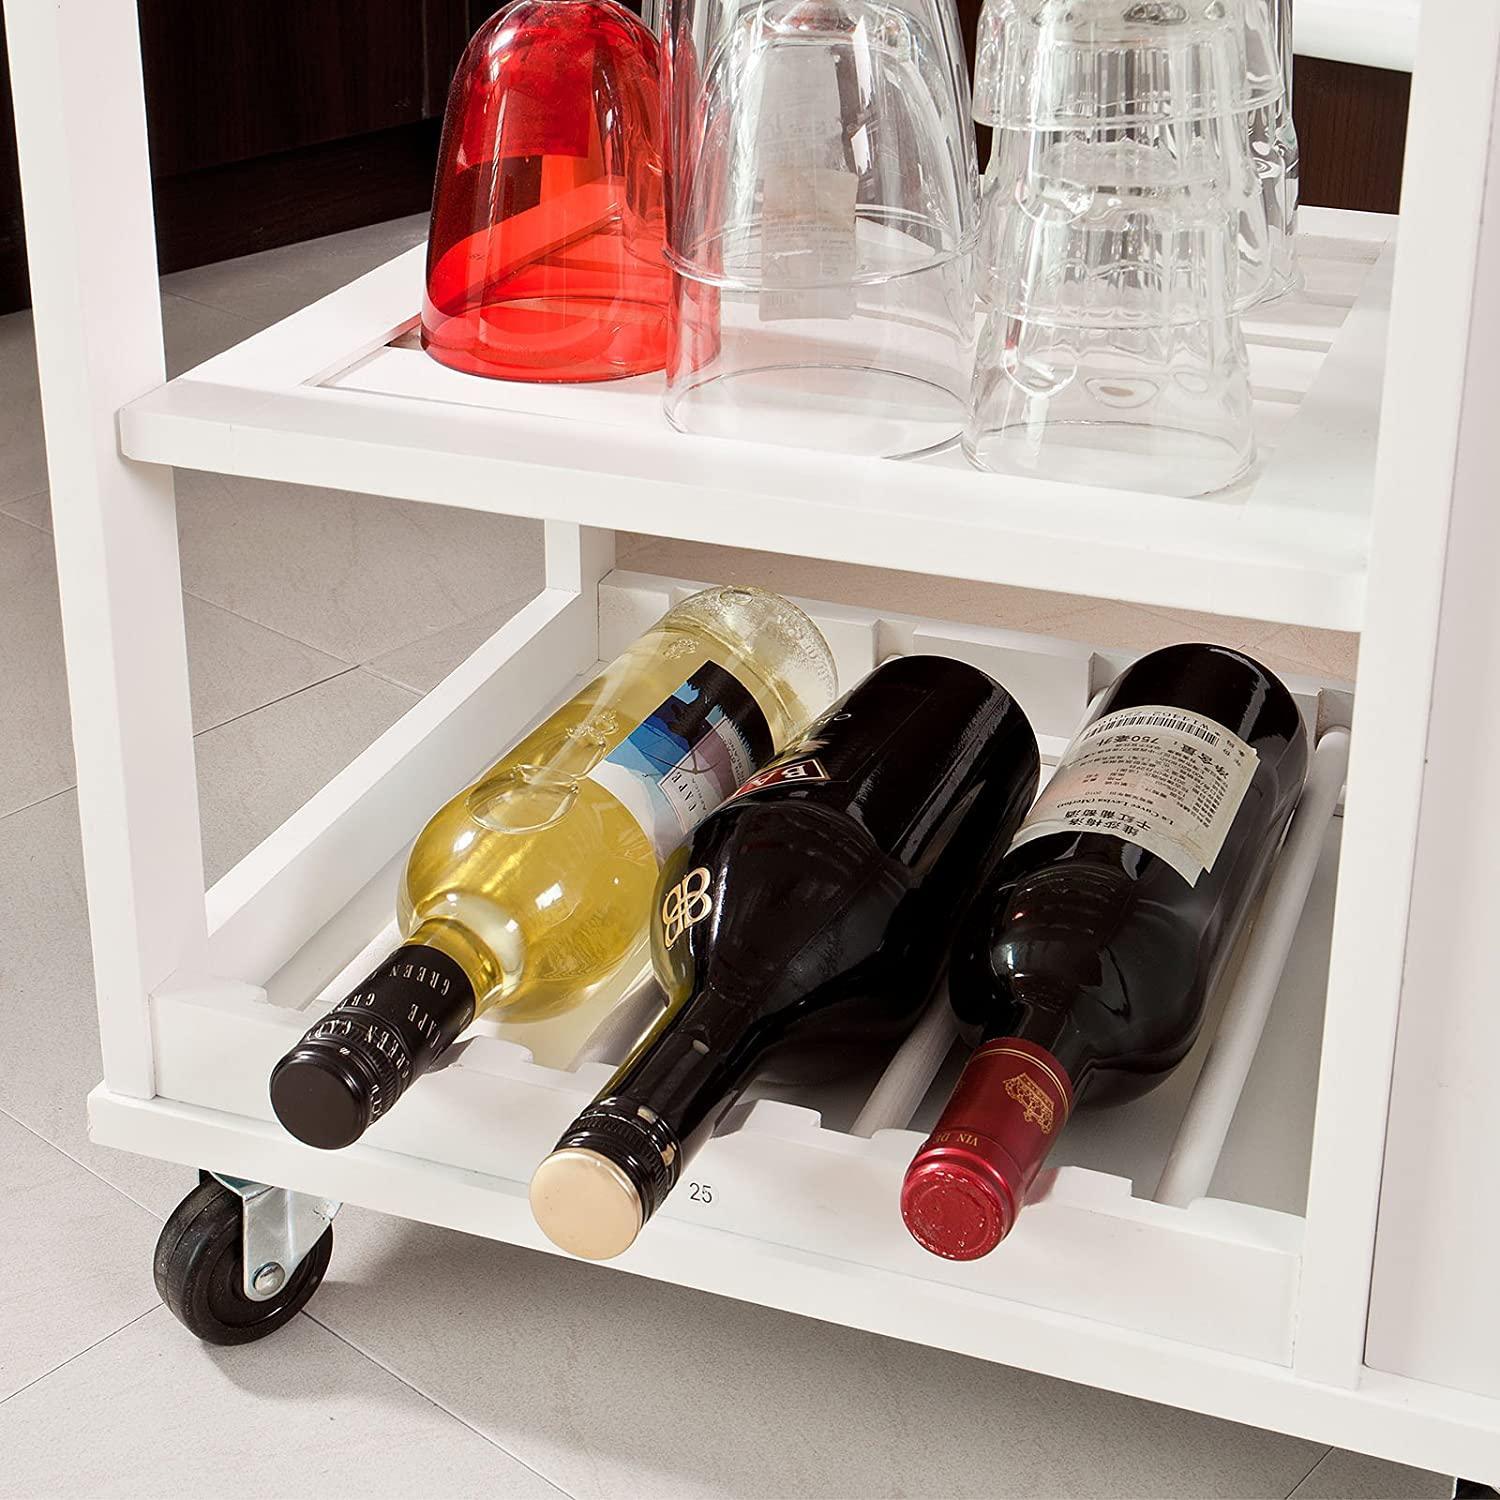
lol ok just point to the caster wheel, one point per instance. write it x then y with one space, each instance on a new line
1471 1489
199 1271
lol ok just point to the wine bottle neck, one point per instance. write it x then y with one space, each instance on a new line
966 1185
456 942
353 1065
683 1081
658 1109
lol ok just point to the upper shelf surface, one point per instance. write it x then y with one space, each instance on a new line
338 395
1376 33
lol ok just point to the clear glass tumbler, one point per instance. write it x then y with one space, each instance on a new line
821 220
1162 72
1123 231
1116 357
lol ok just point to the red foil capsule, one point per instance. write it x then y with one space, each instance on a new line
966 1185
545 258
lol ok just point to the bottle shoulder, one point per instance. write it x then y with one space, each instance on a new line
1070 930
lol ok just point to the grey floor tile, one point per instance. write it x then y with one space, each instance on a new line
153 1413
545 1381
253 772
256 771
47 981
354 575
23 457
35 510
1355 1476
193 333
274 283
75 1258
423 664
235 666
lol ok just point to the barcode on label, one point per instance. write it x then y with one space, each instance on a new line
1155 721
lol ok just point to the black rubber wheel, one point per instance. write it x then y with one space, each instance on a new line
1471 1489
199 1271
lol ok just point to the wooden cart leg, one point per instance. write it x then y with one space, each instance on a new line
86 185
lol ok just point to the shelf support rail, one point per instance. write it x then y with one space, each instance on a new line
1216 1094
909 1074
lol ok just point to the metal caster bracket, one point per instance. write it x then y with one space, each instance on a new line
280 1227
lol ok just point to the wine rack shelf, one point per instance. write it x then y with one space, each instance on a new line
340 395
786 1180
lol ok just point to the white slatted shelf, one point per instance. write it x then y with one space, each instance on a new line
787 1174
338 396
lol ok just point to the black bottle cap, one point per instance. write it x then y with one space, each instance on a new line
361 1057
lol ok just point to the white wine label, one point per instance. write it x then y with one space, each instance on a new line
1164 778
687 756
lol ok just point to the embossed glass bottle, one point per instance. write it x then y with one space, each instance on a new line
529 889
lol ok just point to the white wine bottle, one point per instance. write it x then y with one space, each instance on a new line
530 889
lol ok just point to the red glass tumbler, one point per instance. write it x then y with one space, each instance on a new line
545 257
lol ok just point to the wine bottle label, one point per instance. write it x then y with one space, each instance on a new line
808 769
1164 778
687 756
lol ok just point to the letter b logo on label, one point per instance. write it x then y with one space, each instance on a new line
685 904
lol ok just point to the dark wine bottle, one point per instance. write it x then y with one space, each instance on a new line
803 927
1085 968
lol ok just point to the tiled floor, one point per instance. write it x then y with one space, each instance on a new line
430 1363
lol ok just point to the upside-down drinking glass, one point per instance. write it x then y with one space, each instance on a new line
1124 233
1170 71
822 211
1278 156
545 257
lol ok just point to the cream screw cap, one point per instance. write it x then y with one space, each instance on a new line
585 1204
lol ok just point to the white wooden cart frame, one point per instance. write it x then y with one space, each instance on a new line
1371 1323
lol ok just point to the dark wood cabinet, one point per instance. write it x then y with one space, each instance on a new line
240 79
14 291
1351 128
277 120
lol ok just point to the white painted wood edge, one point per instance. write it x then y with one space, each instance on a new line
1401 1420
1373 33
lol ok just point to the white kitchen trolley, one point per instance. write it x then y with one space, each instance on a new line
1320 1260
